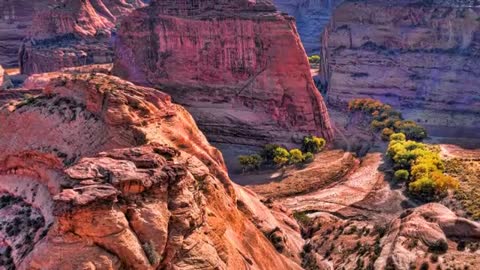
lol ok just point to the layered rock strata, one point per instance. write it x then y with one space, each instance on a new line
239 67
97 173
15 20
422 58
72 33
311 17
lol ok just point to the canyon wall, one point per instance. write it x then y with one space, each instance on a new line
421 58
311 17
15 19
121 178
239 68
71 33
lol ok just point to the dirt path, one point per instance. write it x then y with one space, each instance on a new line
454 151
343 194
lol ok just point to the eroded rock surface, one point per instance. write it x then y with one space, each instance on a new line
15 20
311 17
5 81
72 33
239 67
101 174
422 58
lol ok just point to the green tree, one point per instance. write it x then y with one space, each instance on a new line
308 157
313 144
402 175
296 156
250 162
314 59
268 152
281 156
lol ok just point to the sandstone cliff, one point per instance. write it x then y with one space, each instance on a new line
422 58
311 17
238 67
97 173
15 19
72 33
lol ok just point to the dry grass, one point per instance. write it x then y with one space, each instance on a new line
468 173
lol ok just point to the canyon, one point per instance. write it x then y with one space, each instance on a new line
239 68
422 58
124 179
311 17
71 33
120 134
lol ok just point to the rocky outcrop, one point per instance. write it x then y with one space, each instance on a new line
430 228
121 178
15 19
72 33
422 58
5 81
311 17
238 67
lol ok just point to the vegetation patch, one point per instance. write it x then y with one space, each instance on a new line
387 120
468 192
276 155
421 166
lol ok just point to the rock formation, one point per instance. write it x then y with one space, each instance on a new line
238 67
422 58
5 81
15 19
72 33
311 17
97 173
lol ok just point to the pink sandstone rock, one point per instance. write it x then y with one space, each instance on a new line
238 67
72 33
97 173
422 58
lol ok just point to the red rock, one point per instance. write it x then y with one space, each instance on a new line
72 33
15 20
239 67
119 177
421 58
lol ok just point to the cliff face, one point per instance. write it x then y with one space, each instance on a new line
238 67
15 19
311 17
72 33
123 179
421 58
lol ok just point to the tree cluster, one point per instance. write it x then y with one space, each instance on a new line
387 120
274 154
421 166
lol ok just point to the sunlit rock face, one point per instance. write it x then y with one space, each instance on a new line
72 33
98 173
239 67
422 58
311 17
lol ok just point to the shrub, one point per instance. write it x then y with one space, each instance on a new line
402 175
268 152
281 156
386 133
296 156
313 144
411 130
250 162
308 157
398 137
314 59
439 247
